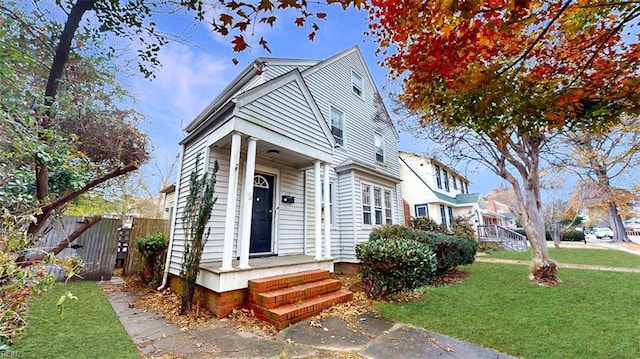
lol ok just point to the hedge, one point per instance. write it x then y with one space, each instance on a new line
450 250
393 265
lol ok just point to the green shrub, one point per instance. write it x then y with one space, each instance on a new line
450 250
427 224
462 226
574 236
153 248
390 266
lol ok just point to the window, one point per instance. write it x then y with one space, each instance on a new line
366 204
378 143
438 179
454 182
337 126
332 215
356 84
446 180
381 201
422 210
443 215
388 216
450 217
377 203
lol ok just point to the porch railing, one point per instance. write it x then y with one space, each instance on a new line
508 238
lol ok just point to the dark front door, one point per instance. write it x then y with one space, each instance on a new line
262 215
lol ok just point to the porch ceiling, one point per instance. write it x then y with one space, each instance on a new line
283 155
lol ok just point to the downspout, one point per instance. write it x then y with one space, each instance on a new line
172 229
304 216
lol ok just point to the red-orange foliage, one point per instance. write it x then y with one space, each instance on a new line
581 52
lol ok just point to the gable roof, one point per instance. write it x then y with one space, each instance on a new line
268 87
353 50
460 199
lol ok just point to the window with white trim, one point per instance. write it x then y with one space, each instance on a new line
438 179
377 205
388 214
450 216
356 84
422 210
366 204
337 125
443 215
446 180
378 143
454 182
332 214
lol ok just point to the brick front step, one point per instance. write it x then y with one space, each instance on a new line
287 280
295 312
294 294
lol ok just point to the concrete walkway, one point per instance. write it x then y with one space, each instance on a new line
372 337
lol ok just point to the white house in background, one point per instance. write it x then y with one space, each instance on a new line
308 165
168 199
434 190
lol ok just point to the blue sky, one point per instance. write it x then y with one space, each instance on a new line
195 71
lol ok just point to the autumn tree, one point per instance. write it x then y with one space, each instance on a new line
497 81
60 61
603 161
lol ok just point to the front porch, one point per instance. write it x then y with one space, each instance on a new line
215 279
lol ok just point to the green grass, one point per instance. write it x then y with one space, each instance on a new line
593 314
596 257
87 328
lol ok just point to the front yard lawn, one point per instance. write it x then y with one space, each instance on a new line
596 257
87 328
593 314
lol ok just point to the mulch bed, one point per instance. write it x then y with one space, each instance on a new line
167 303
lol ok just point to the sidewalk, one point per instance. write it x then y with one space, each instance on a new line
372 337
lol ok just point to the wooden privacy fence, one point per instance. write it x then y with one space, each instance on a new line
97 246
140 227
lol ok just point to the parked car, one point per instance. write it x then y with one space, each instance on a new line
603 232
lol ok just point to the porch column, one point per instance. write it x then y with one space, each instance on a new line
327 213
232 194
318 209
247 194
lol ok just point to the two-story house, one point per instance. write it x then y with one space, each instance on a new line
308 165
434 190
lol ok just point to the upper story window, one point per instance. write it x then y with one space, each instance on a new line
337 125
438 179
446 180
454 182
378 143
356 84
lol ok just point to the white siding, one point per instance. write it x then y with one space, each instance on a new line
286 111
331 86
273 71
291 215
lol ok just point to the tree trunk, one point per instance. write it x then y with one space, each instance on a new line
619 233
557 235
47 210
529 207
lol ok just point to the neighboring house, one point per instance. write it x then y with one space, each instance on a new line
168 200
308 166
508 218
432 189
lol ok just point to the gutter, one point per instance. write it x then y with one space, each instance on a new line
172 229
